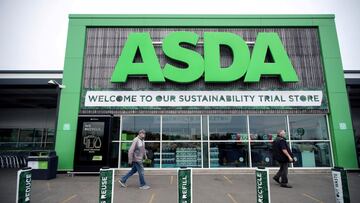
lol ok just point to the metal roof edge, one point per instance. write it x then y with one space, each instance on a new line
351 71
201 16
31 71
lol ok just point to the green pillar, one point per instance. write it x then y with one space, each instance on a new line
339 117
70 96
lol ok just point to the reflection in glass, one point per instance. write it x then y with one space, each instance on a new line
114 155
179 154
228 128
229 154
205 127
26 135
261 154
311 154
8 138
311 127
181 128
152 151
50 139
8 135
266 127
205 155
131 125
26 138
39 138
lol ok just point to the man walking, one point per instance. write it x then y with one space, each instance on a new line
283 155
136 155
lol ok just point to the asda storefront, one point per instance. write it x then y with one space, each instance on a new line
211 91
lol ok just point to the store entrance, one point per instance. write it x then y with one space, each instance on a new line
93 142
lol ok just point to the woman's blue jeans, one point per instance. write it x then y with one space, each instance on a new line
136 167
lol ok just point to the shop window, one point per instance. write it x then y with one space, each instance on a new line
39 138
261 154
308 127
228 128
234 151
312 154
229 154
181 154
225 141
26 139
131 125
205 154
50 139
265 128
8 135
181 128
113 156
8 138
152 151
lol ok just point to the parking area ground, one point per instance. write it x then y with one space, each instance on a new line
207 188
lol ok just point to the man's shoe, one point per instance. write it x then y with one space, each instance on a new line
122 184
145 187
277 180
285 185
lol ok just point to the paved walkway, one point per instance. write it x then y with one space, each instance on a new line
209 188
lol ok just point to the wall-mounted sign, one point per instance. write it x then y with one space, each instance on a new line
203 98
66 126
251 67
342 126
92 136
92 143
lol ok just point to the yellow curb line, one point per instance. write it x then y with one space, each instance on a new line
152 198
228 180
70 198
171 180
313 198
231 197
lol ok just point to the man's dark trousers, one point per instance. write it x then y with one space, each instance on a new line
282 173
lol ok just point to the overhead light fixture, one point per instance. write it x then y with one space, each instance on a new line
54 82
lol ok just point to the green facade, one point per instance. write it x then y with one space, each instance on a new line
342 138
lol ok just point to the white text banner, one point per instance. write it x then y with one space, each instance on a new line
202 98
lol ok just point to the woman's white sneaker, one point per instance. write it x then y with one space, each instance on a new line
122 184
145 187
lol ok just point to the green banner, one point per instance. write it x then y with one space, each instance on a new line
185 185
340 185
23 188
106 187
262 186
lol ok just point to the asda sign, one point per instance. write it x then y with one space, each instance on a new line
244 66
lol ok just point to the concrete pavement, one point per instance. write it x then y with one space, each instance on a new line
208 188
